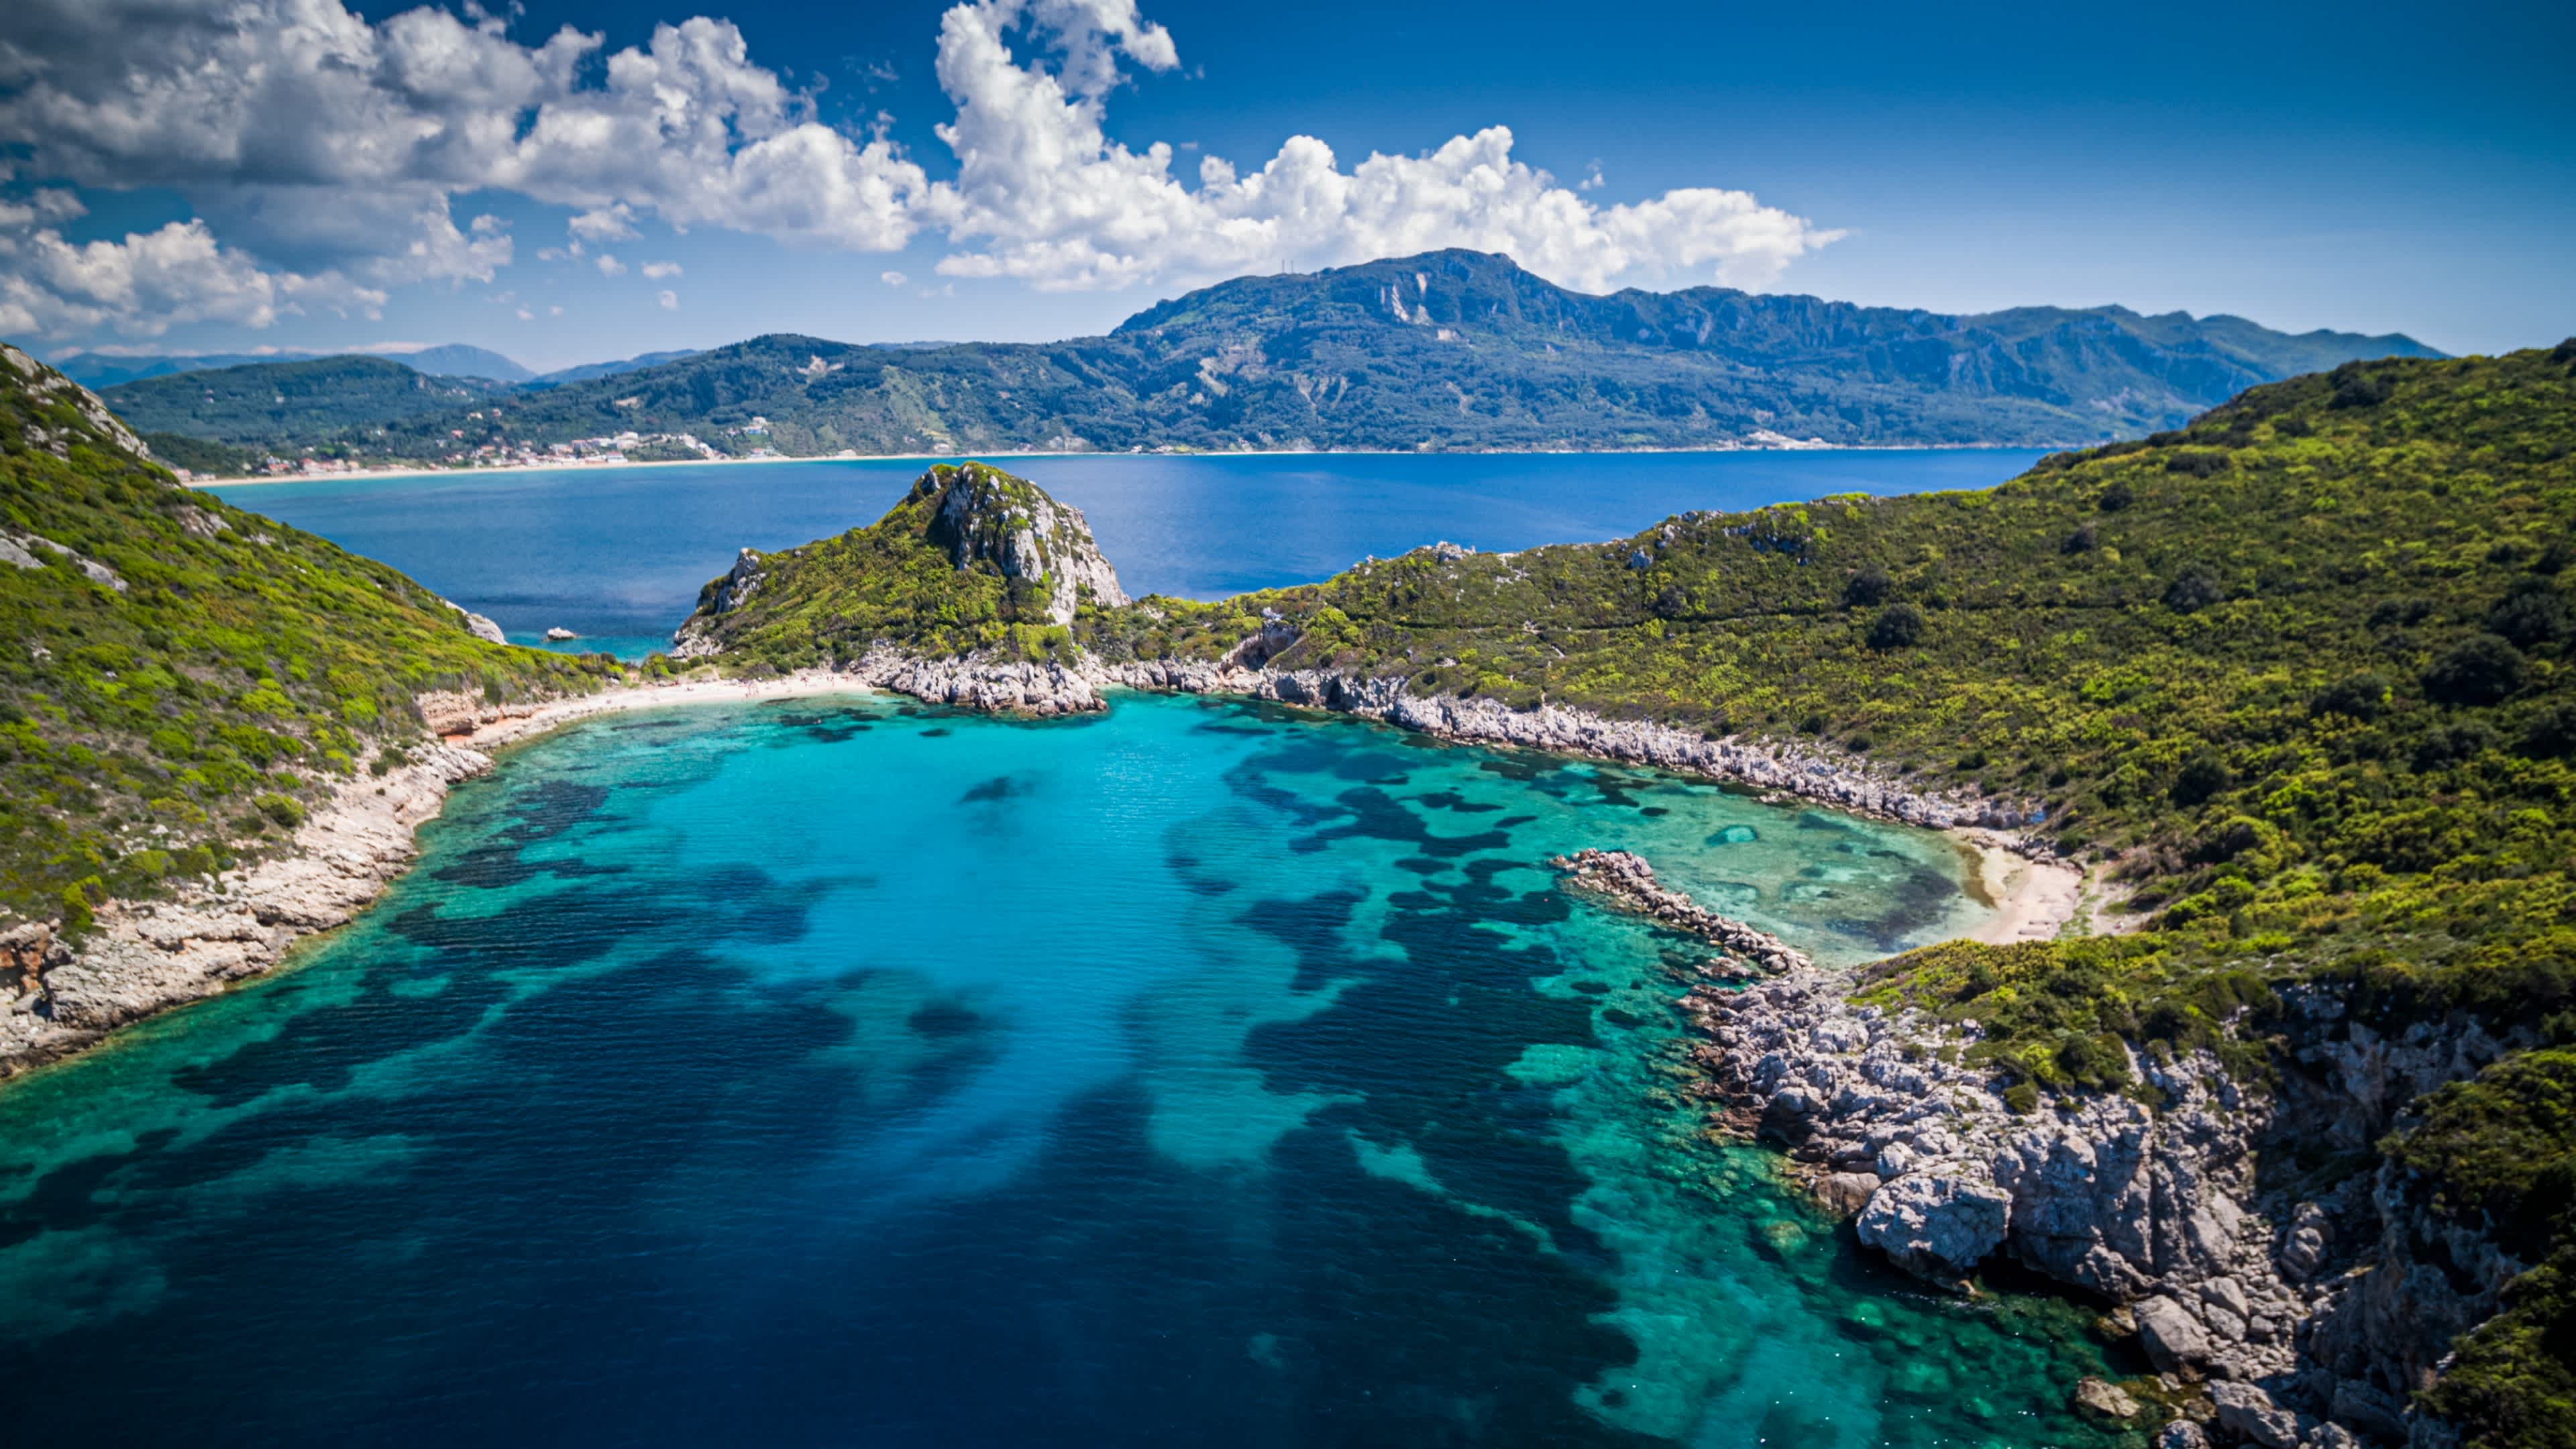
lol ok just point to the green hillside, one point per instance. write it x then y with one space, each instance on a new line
337 406
183 678
1454 350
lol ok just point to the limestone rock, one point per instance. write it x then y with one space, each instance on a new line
2249 1413
1937 1225
2175 1340
2106 1399
1846 1193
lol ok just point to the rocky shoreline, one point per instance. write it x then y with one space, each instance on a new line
144 957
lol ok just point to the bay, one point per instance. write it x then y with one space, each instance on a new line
843 1071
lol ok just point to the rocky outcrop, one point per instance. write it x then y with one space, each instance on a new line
42 382
986 517
139 958
1001 686
1628 883
477 625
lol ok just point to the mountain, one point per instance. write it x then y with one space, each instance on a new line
184 678
2297 682
1451 350
455 359
92 370
589 370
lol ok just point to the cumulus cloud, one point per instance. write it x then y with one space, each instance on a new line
151 281
325 151
893 279
609 265
669 299
661 271
1061 205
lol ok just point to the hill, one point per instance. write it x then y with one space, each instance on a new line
335 406
588 370
1451 349
972 559
95 370
184 679
2295 681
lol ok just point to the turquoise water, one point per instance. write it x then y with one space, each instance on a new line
618 554
846 1072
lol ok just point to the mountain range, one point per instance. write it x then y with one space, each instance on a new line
1446 350
455 359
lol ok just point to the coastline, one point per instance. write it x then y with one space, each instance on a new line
144 957
420 472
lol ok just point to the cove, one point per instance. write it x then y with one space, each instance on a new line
842 1071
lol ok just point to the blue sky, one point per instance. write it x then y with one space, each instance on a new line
2358 166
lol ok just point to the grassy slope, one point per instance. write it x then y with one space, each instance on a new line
175 726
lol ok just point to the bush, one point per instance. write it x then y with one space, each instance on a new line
2196 463
2357 387
1898 626
2481 671
2194 589
2201 776
2550 734
2358 696
2530 614
1867 589
284 809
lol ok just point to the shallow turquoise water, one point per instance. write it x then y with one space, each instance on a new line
617 554
843 1072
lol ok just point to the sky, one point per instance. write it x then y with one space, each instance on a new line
575 180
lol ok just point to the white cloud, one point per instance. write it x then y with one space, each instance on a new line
151 281
661 271
1063 206
609 265
608 223
325 151
893 279
669 299
525 315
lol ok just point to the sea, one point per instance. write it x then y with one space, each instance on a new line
617 555
848 1071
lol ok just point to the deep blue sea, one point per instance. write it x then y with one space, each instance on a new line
618 555
845 1072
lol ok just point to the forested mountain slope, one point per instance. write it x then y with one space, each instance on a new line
1450 350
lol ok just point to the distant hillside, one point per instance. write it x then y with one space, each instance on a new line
334 404
458 360
1449 350
588 370
92 370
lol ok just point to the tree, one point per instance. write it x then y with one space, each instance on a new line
2481 671
2193 589
1898 626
